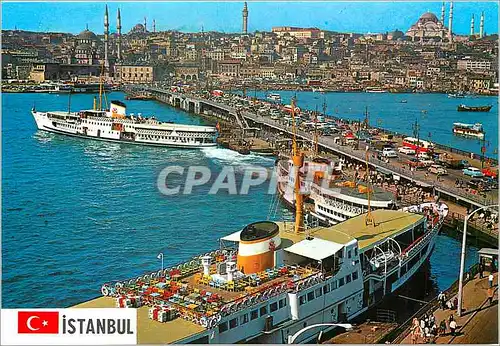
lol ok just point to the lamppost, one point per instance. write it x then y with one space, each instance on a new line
160 256
292 338
462 258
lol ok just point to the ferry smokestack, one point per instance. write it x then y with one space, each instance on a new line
258 241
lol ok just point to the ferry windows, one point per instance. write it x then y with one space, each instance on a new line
355 275
254 314
222 327
355 251
302 300
310 296
326 288
263 311
348 278
282 303
233 323
273 307
349 254
318 293
341 282
244 319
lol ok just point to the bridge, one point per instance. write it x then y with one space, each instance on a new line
194 104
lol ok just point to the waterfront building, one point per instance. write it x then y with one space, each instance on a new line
134 73
313 33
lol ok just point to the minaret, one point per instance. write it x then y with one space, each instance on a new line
106 39
154 25
472 26
450 23
442 14
245 18
145 27
481 26
119 32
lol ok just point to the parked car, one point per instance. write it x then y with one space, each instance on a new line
406 150
437 169
426 163
492 183
472 172
423 156
389 152
490 172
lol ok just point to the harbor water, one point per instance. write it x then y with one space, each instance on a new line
78 213
435 113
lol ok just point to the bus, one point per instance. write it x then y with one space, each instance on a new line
418 145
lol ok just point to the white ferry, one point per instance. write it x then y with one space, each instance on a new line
469 130
270 284
115 126
274 97
333 201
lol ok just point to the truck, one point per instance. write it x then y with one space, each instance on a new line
449 161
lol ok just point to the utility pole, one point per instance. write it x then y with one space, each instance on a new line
483 150
416 133
366 117
324 106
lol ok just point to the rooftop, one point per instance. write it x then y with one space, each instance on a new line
388 223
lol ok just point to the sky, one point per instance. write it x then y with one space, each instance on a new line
225 16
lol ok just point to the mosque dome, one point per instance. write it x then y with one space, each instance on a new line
83 46
428 17
138 28
87 35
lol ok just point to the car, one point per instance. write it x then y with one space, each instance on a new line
406 150
472 172
478 184
423 156
426 163
389 152
490 172
492 183
437 169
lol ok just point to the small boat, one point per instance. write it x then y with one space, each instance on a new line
469 130
464 108
375 90
404 101
457 95
274 97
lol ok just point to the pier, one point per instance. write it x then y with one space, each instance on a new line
251 122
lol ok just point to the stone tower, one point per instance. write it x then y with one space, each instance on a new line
481 26
472 26
450 23
442 14
106 40
245 18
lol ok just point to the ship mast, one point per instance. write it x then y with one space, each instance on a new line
298 161
368 217
100 87
315 138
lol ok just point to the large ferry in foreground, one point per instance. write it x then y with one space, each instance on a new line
267 282
115 126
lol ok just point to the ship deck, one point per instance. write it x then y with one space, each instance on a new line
388 223
149 331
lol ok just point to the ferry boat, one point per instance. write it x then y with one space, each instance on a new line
115 126
331 201
267 283
375 90
274 97
469 130
459 94
464 108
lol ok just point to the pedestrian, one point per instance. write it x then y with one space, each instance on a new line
455 303
442 300
490 279
453 327
442 327
480 268
490 295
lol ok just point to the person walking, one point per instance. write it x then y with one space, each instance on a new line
480 269
453 327
442 300
442 327
490 279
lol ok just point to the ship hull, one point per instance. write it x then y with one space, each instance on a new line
71 129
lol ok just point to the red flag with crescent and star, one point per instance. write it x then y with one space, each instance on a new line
38 322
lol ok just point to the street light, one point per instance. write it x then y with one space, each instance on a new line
160 256
292 338
462 258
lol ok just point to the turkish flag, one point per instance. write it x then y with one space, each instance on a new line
37 322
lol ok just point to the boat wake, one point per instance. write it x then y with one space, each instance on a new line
231 157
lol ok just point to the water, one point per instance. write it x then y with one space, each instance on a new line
387 111
78 213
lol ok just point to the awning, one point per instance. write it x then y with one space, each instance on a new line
488 251
315 248
232 237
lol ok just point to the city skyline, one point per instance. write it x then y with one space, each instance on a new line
227 16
